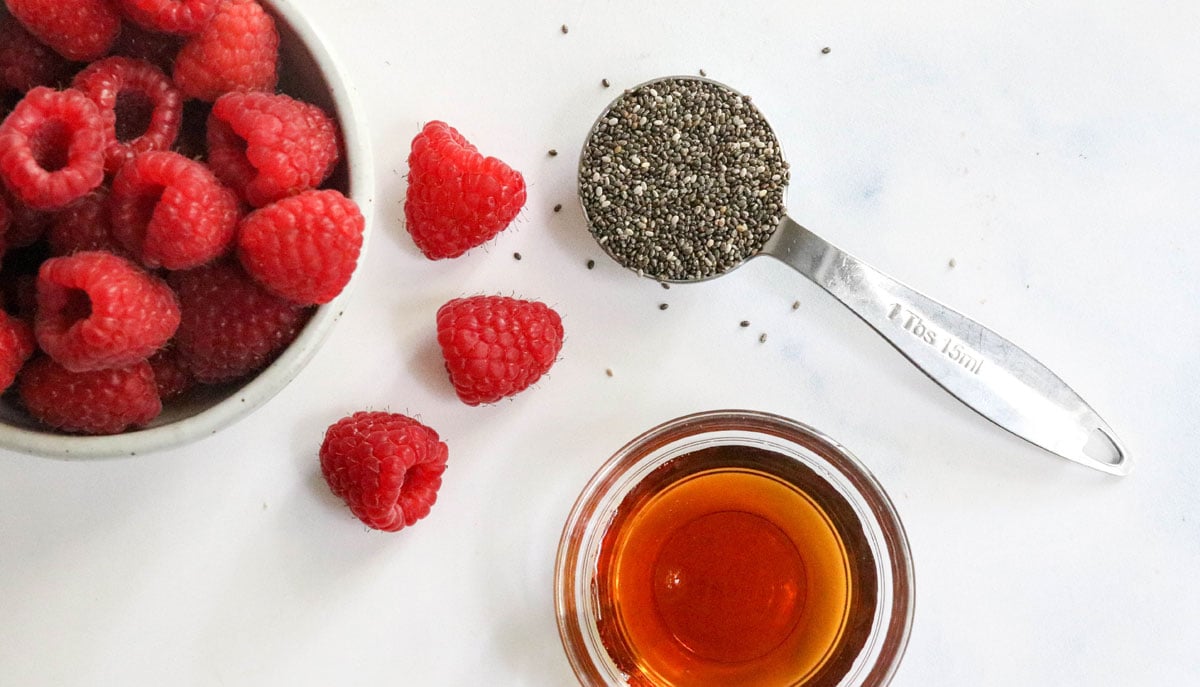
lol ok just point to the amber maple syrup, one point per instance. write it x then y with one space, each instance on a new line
735 565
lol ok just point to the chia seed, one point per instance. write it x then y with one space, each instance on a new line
552 152
564 28
744 323
558 207
591 264
682 179
762 338
825 50
663 306
605 83
516 256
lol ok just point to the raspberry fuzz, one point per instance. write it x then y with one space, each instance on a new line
457 198
97 310
95 402
387 467
170 211
52 148
269 146
495 346
303 248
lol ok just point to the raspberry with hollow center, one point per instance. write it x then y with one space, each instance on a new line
52 148
457 198
171 212
303 248
140 107
97 310
170 16
495 346
238 50
231 326
269 146
387 467
104 401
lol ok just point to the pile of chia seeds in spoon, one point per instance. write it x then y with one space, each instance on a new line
682 179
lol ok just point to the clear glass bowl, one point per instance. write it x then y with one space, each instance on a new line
871 658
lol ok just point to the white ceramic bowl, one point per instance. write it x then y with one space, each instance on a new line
307 72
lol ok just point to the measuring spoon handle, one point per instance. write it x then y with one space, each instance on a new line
977 366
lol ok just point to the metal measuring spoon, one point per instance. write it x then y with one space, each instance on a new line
681 179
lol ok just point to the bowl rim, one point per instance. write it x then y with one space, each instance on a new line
273 378
573 555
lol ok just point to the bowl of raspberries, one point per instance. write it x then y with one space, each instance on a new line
181 195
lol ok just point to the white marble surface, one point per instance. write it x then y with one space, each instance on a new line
1051 153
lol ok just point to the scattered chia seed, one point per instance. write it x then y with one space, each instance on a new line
682 179
564 28
825 50
516 256
591 264
663 306
665 285
953 263
558 208
762 338
608 372
605 83
796 305
744 323
703 73
552 152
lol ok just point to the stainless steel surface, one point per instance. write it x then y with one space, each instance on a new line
977 366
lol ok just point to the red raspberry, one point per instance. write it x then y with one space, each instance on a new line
25 225
171 212
84 225
457 198
231 326
237 51
16 346
97 310
140 107
159 49
268 146
169 16
496 346
24 61
95 402
171 378
387 467
303 248
52 148
79 30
